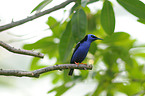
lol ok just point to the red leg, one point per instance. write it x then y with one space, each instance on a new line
76 63
83 63
79 63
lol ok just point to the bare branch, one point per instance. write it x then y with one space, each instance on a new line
36 73
13 24
21 51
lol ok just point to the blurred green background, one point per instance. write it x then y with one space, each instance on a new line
118 60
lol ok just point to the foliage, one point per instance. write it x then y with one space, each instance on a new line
116 49
108 18
41 6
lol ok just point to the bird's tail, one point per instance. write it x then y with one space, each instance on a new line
70 72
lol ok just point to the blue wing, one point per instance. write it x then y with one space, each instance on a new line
77 46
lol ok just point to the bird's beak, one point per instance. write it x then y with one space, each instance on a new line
99 39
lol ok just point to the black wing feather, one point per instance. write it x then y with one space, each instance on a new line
85 39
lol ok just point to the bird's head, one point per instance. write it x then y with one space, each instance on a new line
92 37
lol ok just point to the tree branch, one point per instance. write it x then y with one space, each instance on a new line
21 51
13 24
36 73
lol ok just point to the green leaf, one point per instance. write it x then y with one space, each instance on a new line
93 48
74 8
79 24
141 21
108 18
129 89
51 22
139 51
135 7
55 26
115 52
102 85
119 39
84 2
87 10
56 78
123 53
137 73
66 43
91 22
35 64
61 89
78 1
42 43
46 45
92 1
116 37
84 74
41 5
112 57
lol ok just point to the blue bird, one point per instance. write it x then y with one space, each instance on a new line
82 49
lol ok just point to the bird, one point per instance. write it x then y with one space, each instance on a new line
81 50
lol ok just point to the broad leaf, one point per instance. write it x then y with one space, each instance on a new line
79 24
119 39
35 64
55 26
112 57
122 53
139 51
46 45
130 89
52 22
42 43
93 48
108 18
77 6
141 21
104 82
92 1
41 6
84 2
61 89
74 8
135 7
116 37
66 43
91 22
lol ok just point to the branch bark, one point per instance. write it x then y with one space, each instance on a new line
36 73
21 51
13 24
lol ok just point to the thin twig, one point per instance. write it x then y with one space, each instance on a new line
36 73
13 24
21 51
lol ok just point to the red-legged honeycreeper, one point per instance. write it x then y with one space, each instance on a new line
82 49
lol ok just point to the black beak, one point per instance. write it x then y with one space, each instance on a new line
99 39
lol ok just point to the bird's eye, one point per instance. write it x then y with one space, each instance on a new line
93 36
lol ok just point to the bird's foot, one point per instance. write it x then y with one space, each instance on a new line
79 63
83 63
